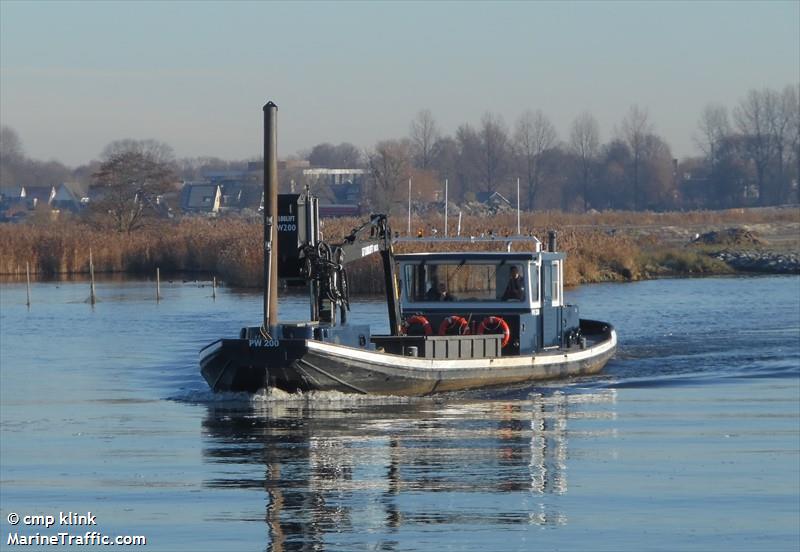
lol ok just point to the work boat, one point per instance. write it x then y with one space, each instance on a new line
457 319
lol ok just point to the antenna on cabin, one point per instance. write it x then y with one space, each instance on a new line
409 206
445 207
518 226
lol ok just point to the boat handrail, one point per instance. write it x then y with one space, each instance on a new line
471 239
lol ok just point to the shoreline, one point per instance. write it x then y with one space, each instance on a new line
600 247
753 264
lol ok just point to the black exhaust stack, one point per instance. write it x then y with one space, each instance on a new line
270 216
551 241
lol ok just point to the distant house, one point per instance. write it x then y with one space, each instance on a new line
13 205
201 197
695 190
348 191
238 195
39 195
18 202
257 167
217 177
334 177
495 199
338 186
340 210
69 196
12 193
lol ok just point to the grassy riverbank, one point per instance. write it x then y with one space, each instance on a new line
600 247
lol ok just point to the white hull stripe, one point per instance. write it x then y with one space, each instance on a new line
398 361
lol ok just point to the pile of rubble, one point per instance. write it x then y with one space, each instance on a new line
730 237
761 261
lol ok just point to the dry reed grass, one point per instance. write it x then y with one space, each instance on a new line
232 248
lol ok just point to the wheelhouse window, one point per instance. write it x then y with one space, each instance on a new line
556 282
466 282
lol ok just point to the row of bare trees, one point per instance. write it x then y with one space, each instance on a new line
753 160
750 156
755 151
633 171
19 170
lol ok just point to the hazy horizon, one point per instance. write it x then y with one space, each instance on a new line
75 76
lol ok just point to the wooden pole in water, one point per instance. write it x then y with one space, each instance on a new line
158 284
91 276
214 288
28 277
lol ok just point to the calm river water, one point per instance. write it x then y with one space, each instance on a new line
690 440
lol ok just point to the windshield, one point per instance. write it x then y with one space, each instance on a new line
463 282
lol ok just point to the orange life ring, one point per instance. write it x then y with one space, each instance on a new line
495 325
459 323
421 320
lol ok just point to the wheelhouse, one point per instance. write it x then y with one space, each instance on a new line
518 294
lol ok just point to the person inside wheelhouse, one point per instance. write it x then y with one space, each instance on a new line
515 290
438 292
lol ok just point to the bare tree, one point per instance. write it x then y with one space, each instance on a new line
133 176
424 135
635 128
584 140
390 165
152 149
11 156
469 164
754 119
349 156
615 160
658 175
534 134
444 157
793 101
494 150
782 110
10 144
713 127
17 169
343 156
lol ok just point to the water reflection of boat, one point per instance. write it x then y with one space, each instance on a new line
351 469
458 319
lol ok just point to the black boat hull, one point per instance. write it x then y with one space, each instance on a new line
306 364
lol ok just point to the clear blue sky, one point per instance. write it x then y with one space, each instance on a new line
74 76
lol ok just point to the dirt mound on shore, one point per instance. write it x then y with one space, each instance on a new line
730 237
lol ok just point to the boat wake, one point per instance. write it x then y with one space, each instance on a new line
265 397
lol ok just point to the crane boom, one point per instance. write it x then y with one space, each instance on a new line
322 265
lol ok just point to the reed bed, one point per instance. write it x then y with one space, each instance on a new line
232 248
63 247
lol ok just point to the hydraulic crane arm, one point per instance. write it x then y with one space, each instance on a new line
375 236
325 265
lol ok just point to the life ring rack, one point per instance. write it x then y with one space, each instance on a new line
458 322
419 319
491 324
